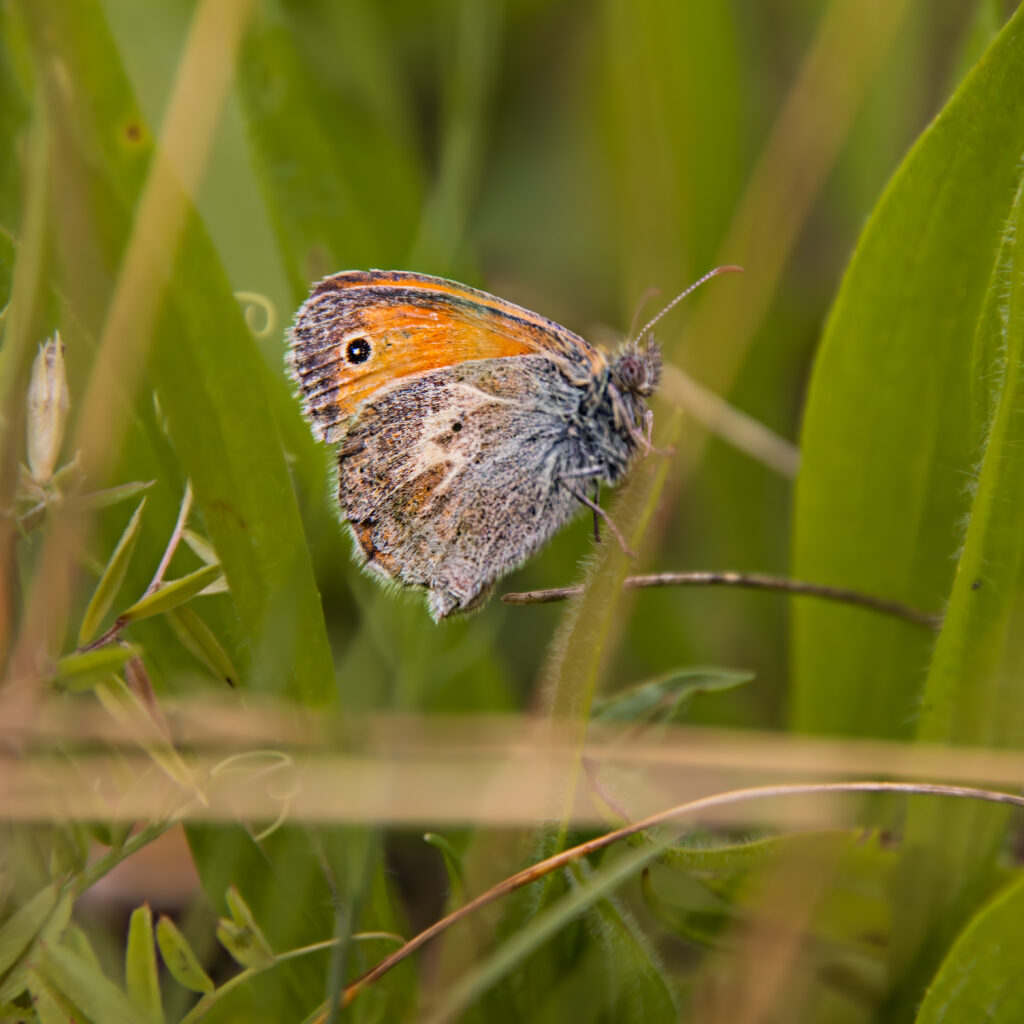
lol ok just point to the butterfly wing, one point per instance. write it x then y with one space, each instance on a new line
364 331
453 478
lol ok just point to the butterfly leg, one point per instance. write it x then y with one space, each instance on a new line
598 511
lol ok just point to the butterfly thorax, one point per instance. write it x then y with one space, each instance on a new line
607 433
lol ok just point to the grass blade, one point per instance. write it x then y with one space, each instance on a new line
170 595
111 580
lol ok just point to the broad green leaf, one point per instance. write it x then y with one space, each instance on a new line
980 979
110 582
973 693
87 987
889 439
197 637
628 967
18 931
171 594
664 699
179 957
140 969
347 196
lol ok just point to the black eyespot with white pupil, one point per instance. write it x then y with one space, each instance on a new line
357 350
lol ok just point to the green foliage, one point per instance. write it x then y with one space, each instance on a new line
980 979
570 157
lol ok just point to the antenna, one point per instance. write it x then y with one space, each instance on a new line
682 295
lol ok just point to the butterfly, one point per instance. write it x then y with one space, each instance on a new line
467 430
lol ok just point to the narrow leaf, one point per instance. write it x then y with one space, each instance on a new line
24 924
243 917
181 961
49 1006
452 861
171 594
242 946
665 698
78 942
87 987
242 937
201 547
140 968
102 661
16 979
111 496
199 640
112 578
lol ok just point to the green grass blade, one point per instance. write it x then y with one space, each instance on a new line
889 440
101 661
171 594
197 637
112 578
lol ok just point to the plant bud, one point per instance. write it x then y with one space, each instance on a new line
47 408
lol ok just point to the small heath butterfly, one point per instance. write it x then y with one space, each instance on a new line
468 430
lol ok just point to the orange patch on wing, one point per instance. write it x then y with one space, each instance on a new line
375 557
409 340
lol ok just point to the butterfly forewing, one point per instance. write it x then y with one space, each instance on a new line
361 331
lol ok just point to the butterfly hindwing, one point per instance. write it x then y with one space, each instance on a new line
453 478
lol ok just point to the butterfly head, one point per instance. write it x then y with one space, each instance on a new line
636 369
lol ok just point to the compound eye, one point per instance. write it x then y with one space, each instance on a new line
357 350
631 372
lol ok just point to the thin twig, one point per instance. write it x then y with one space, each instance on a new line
560 860
172 544
746 580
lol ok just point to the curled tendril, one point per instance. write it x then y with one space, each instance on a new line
253 303
274 761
